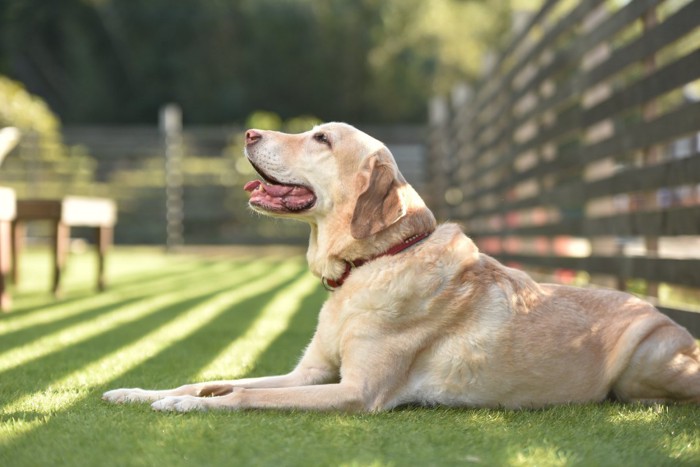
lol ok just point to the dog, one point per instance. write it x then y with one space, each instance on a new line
418 316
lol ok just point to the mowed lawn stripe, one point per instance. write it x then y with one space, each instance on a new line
119 316
69 317
61 394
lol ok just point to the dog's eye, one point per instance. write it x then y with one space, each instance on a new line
322 138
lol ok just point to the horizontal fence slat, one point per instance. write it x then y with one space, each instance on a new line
675 124
564 58
631 12
667 222
667 78
667 32
672 29
483 99
668 174
673 271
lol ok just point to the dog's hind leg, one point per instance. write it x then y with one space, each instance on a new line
664 368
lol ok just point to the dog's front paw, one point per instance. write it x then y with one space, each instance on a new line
121 396
180 404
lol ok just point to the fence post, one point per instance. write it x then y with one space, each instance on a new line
171 127
652 154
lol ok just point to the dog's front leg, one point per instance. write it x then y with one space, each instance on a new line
312 369
370 382
343 397
204 389
212 388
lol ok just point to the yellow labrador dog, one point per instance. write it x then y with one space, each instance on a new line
418 316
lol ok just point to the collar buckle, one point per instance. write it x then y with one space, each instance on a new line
327 286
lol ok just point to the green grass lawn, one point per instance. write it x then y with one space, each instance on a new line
167 320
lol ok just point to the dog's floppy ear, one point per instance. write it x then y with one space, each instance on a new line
379 202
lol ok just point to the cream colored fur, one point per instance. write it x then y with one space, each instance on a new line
439 323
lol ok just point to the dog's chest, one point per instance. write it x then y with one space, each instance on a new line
363 317
384 298
445 349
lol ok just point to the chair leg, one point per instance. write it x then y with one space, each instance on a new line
61 241
18 235
104 242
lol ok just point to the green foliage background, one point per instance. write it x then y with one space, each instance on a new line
43 160
112 61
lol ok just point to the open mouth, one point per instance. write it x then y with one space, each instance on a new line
271 195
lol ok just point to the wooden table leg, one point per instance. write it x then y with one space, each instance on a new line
104 242
61 244
18 234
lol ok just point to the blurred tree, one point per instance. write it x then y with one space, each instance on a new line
357 60
29 113
264 120
42 160
60 51
301 124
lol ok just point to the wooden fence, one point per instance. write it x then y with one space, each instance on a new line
578 156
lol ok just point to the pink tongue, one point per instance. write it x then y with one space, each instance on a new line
289 197
252 185
277 191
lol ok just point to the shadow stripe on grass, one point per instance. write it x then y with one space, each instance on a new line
121 315
26 336
19 381
63 316
239 357
66 308
282 354
177 364
77 384
27 302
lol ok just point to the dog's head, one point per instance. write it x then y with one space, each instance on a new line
333 172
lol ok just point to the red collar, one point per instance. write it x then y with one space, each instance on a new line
331 284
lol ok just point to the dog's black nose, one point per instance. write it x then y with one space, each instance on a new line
252 137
